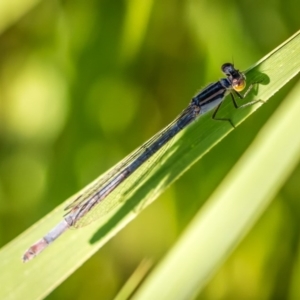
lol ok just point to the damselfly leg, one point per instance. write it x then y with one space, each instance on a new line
239 95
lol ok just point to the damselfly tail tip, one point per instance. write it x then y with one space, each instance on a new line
34 250
29 255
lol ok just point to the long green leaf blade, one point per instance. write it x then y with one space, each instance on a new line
232 210
75 247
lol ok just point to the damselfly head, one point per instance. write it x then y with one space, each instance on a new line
228 69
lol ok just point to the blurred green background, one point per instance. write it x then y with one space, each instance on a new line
83 83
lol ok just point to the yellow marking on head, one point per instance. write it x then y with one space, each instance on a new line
239 85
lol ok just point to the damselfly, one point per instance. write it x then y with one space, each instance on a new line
210 97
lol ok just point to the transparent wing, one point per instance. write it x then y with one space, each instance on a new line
115 198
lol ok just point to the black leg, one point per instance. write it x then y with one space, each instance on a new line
221 119
235 104
244 96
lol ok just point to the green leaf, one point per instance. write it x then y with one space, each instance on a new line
232 210
70 251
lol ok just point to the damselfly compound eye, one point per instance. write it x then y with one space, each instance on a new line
227 68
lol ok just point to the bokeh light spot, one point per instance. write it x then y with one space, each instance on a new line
37 103
113 103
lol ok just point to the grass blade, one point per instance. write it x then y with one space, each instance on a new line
71 251
232 210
